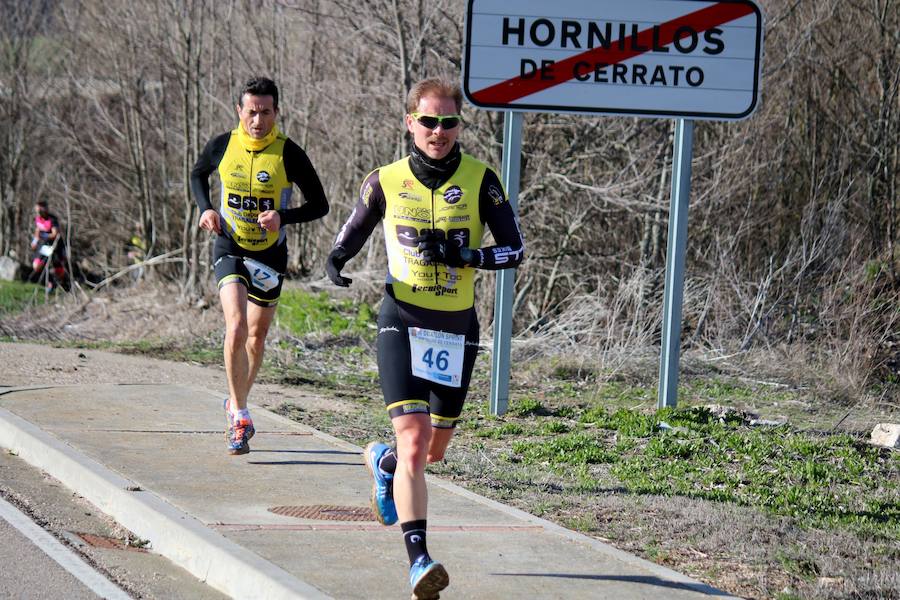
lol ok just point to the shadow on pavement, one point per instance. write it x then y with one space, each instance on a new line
648 580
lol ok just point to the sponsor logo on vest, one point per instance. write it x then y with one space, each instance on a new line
408 196
438 290
406 235
409 184
453 194
262 177
413 213
459 236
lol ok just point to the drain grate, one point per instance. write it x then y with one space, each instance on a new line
326 512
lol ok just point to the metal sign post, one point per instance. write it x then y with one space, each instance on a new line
683 59
675 254
503 301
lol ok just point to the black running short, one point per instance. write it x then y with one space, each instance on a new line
406 393
230 266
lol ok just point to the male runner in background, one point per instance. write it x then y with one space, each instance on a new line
257 167
434 204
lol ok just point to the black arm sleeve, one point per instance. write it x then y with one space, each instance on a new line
207 162
498 214
366 215
299 170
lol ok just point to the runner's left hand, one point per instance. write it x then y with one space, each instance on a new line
434 248
269 220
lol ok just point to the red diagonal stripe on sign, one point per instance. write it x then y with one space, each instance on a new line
510 90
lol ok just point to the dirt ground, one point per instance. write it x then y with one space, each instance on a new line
28 364
740 550
147 313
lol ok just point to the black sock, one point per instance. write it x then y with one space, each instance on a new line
388 462
414 538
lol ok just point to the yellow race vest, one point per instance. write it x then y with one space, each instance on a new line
410 208
253 182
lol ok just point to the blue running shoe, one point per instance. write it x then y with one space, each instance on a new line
383 489
242 431
427 578
238 433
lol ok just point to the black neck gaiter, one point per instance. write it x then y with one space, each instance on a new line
434 172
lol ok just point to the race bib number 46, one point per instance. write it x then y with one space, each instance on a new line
437 356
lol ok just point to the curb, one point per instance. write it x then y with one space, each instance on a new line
209 556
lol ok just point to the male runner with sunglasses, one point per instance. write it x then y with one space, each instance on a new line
434 205
257 167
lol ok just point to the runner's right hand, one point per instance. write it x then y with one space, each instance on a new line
209 221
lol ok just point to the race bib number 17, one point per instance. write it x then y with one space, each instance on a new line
262 276
437 356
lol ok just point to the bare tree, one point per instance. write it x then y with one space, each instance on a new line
21 60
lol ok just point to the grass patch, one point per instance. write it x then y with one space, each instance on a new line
568 449
507 429
818 480
16 296
301 313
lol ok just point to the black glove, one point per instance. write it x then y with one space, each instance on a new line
435 248
333 265
427 243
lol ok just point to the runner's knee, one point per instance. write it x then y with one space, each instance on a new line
256 336
412 448
236 333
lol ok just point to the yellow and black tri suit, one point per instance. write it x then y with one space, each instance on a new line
255 176
454 197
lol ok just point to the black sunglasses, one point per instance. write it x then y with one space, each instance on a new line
432 121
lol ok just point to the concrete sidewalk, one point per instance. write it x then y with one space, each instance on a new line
291 519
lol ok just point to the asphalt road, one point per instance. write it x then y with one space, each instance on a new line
36 565
27 572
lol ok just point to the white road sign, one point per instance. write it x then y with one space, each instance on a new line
666 58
